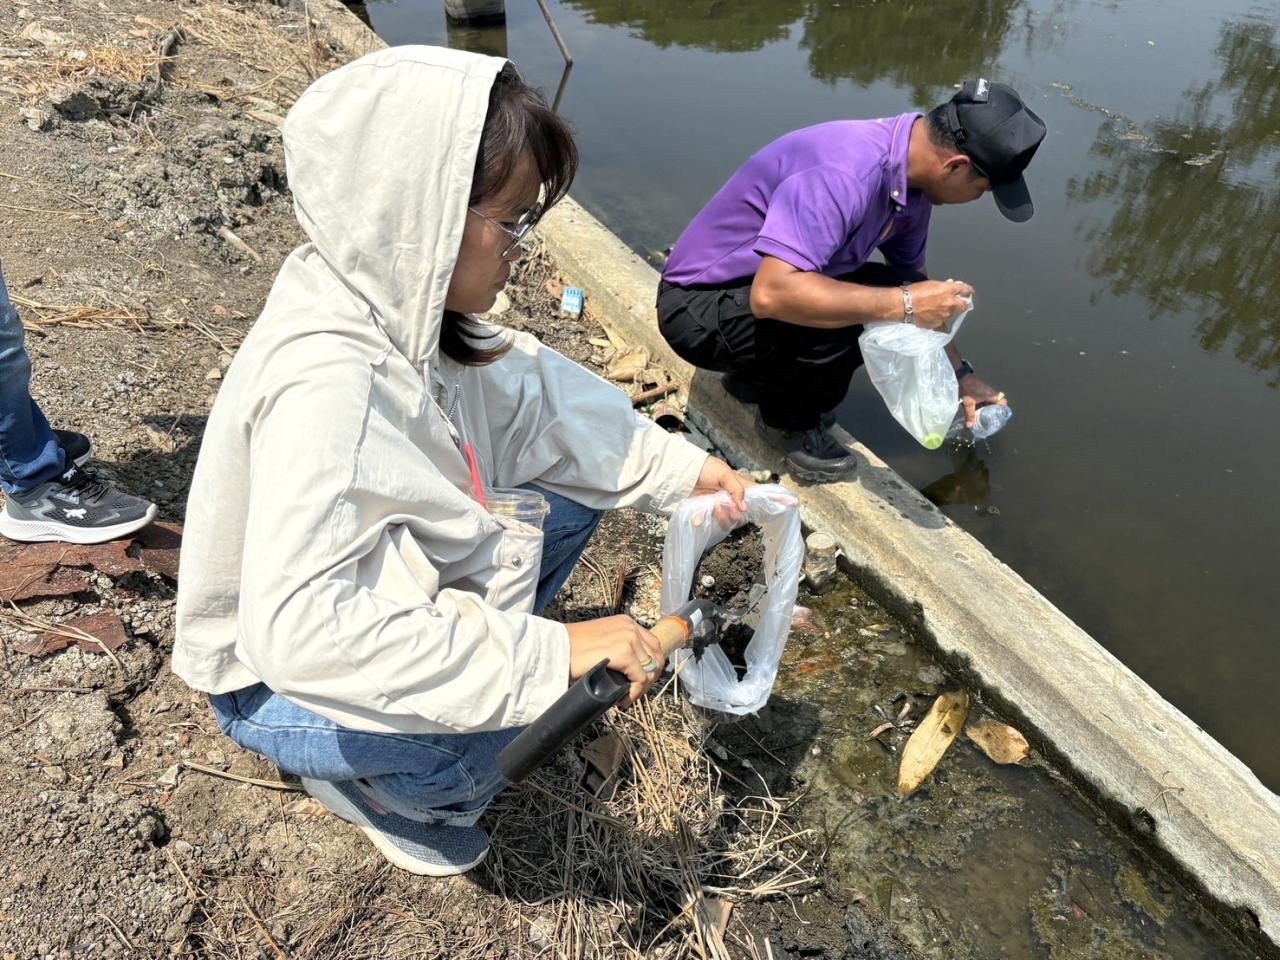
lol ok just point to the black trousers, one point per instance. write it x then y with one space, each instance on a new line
801 372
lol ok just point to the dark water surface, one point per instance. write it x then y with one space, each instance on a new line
1134 323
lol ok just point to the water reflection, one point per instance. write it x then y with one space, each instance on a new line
968 482
1196 211
918 46
720 26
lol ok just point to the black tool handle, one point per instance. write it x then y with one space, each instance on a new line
578 707
592 694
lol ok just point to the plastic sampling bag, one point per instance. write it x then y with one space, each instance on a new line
712 680
910 368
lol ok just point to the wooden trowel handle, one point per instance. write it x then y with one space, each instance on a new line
672 633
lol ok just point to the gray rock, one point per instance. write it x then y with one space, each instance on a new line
77 728
37 119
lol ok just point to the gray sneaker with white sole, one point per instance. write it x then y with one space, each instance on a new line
77 507
427 849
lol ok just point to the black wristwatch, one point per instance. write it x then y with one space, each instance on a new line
963 370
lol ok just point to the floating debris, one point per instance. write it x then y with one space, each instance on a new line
927 745
1203 159
879 730
999 741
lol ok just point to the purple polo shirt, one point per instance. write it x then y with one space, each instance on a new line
821 199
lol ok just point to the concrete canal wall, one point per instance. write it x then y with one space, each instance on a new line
1141 756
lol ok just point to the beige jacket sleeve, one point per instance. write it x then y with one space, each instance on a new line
556 423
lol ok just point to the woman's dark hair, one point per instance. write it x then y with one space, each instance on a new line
518 122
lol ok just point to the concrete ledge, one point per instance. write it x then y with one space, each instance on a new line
1196 802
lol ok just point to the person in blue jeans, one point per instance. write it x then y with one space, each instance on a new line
357 595
48 493
403 786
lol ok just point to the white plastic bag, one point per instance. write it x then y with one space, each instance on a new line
910 368
712 681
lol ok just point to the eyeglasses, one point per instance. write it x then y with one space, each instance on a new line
518 232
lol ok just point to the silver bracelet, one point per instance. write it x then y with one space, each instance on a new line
909 310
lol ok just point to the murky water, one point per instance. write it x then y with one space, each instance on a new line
1133 323
982 861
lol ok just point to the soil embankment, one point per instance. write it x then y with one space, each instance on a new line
145 212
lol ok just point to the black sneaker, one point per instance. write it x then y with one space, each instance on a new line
76 446
77 507
813 455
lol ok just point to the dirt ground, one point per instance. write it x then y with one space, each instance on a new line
145 209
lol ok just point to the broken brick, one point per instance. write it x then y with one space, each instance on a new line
106 626
37 570
160 543
39 582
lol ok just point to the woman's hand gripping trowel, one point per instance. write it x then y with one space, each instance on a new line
695 624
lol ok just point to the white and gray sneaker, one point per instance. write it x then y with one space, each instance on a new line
427 849
77 507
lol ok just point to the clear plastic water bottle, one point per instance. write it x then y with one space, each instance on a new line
991 419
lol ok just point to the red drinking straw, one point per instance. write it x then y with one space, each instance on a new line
477 488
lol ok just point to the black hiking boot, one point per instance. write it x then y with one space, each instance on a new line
813 455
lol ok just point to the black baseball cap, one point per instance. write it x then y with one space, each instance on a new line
996 130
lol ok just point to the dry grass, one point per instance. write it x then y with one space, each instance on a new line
16 617
39 316
282 50
651 872
645 872
57 67
286 65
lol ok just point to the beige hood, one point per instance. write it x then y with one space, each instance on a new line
331 548
380 155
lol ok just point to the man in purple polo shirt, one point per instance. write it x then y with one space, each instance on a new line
771 283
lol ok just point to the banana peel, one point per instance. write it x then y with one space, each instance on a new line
931 739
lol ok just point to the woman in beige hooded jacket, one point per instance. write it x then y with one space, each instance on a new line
357 616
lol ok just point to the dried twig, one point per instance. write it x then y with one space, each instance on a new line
168 44
261 929
215 772
25 723
653 393
19 618
117 931
232 240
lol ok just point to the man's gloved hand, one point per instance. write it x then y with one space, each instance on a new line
975 393
937 302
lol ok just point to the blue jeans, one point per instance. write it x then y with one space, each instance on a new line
446 778
29 454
